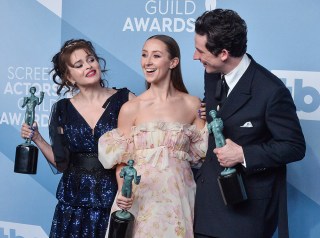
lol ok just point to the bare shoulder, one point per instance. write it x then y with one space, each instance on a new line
192 101
130 107
131 96
127 115
193 104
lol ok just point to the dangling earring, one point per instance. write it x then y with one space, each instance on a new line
101 83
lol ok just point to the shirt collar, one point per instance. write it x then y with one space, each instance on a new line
234 76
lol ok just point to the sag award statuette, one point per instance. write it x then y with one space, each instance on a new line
121 222
27 154
230 181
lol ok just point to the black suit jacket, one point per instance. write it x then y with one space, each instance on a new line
274 140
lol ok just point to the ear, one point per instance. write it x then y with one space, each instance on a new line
174 62
69 79
224 55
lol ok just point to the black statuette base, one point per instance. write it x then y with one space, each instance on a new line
120 228
26 160
232 188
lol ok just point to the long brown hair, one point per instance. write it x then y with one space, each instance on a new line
174 51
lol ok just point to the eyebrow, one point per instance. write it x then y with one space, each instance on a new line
80 60
154 51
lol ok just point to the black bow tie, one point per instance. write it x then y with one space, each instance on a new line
222 90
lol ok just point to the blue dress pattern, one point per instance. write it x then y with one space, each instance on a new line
85 196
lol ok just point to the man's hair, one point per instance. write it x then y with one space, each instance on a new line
224 29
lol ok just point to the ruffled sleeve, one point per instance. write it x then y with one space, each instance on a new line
114 148
198 144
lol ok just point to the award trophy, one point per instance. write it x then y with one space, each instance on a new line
121 222
27 154
230 181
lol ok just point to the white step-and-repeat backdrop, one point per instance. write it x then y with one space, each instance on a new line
284 36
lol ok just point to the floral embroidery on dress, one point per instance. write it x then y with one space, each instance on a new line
164 199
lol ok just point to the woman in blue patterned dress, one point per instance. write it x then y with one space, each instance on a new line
86 190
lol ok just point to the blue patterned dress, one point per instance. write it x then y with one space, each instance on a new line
85 195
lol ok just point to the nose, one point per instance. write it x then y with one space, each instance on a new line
88 65
148 61
196 55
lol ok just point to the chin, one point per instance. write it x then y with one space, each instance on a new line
210 71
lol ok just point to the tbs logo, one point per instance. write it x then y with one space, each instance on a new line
305 90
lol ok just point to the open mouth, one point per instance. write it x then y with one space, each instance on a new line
91 73
150 70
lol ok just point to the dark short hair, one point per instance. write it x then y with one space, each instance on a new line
224 29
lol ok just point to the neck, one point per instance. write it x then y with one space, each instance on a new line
90 94
231 64
162 92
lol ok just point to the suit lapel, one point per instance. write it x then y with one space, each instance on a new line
240 94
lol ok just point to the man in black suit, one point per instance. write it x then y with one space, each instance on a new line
261 128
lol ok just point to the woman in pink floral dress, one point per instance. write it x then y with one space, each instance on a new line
162 132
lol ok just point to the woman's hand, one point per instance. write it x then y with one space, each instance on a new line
28 132
202 111
124 202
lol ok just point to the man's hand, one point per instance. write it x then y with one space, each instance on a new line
202 111
230 154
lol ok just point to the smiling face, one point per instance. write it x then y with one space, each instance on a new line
156 61
84 69
212 63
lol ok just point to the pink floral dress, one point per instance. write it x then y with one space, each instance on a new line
164 200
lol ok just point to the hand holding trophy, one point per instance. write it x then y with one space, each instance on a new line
26 159
121 222
230 181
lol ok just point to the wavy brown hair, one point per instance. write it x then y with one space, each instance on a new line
61 60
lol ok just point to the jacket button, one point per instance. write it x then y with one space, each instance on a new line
202 180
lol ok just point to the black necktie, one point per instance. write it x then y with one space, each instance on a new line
222 90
